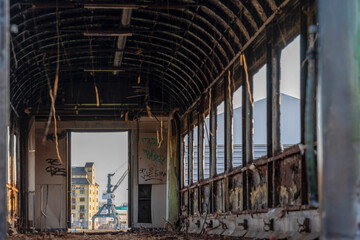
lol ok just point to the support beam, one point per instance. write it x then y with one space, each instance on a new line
303 76
248 120
228 124
171 185
269 100
213 123
275 82
201 144
248 135
190 151
181 160
4 111
338 130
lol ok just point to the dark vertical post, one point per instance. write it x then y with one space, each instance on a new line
269 100
303 76
4 111
303 64
213 125
228 148
243 140
276 146
69 180
248 133
190 150
338 130
181 160
249 121
228 124
201 143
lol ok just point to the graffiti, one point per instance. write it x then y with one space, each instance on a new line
54 169
51 136
152 160
151 155
150 142
148 174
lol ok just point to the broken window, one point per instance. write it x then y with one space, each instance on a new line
290 94
207 147
186 160
259 113
237 127
196 154
220 138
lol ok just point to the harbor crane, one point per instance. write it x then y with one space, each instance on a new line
109 206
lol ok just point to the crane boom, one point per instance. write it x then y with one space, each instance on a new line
120 181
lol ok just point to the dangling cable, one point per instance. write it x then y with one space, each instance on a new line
243 62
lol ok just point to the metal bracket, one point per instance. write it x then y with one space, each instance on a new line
244 225
305 226
269 226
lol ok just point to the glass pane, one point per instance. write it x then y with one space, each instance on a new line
220 138
196 155
237 127
207 147
259 113
186 159
290 94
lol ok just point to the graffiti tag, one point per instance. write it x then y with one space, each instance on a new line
148 174
51 136
54 168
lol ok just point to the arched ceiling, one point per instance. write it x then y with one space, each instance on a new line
172 51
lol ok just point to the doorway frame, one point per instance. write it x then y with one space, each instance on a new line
69 167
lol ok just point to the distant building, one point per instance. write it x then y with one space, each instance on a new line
85 196
122 212
289 129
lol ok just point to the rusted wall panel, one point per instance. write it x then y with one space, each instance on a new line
205 198
219 196
194 199
290 179
258 187
184 203
236 192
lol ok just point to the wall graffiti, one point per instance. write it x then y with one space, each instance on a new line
149 174
152 159
55 168
51 136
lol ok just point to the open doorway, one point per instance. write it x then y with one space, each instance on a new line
99 181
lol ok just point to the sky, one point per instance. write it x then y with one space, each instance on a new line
109 152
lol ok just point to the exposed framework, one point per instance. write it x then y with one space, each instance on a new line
176 48
277 180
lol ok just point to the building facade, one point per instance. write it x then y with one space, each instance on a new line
85 197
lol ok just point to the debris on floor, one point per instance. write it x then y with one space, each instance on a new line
131 235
